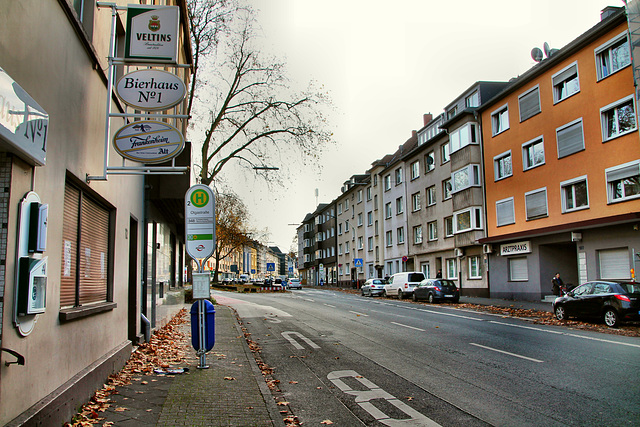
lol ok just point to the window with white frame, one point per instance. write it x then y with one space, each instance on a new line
444 153
346 247
340 229
565 83
452 269
448 226
388 238
347 269
346 204
623 182
570 138
518 269
415 170
533 153
612 56
422 138
472 100
370 244
452 112
426 269
400 235
618 118
529 103
387 182
359 196
416 203
429 161
500 120
387 210
340 249
536 203
467 219
398 175
360 242
368 194
463 136
375 202
469 176
346 226
432 230
431 195
333 251
369 218
399 205
339 208
447 188
575 195
502 166
417 234
360 219
505 212
475 271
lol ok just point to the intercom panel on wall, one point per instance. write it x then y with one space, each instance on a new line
38 217
32 285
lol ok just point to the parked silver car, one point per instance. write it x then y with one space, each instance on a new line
294 284
372 287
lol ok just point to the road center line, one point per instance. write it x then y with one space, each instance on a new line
507 353
329 305
359 314
407 326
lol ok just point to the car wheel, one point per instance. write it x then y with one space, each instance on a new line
414 297
560 313
400 294
611 318
431 299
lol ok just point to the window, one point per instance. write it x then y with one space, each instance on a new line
432 230
346 204
346 226
570 138
448 226
565 83
623 182
339 208
429 161
468 219
474 267
399 206
466 177
426 269
398 175
444 152
416 204
618 118
502 166
346 247
612 56
86 250
417 234
368 194
536 203
369 218
360 243
400 235
446 189
415 170
463 136
452 270
505 212
422 138
387 210
431 195
360 219
359 196
375 202
452 112
387 182
518 270
472 100
533 153
574 194
500 120
376 227
340 249
370 244
340 229
389 238
529 104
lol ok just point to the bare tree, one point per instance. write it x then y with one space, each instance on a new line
249 113
232 228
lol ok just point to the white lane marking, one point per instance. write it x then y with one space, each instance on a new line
364 398
329 305
507 353
566 334
288 336
407 326
358 314
309 299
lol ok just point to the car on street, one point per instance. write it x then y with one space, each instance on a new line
402 284
373 287
294 284
435 290
611 301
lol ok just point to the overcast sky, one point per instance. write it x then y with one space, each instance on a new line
385 64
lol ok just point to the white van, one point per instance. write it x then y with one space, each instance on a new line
244 278
402 284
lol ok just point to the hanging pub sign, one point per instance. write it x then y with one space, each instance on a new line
151 89
152 33
148 141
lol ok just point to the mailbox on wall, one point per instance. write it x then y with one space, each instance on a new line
38 217
32 285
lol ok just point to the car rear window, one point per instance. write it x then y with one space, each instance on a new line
447 284
631 288
377 282
416 277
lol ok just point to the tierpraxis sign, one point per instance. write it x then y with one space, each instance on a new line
200 222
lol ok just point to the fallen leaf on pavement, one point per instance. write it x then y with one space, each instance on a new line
229 378
327 422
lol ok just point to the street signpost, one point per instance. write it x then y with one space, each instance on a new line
200 231
357 262
271 266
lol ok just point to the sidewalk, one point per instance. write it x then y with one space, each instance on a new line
526 305
232 392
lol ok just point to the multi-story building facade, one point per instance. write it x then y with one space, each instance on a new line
562 175
350 235
325 254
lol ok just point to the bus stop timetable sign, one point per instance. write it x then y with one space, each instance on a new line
200 222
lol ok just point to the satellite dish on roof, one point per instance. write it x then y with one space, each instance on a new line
536 54
547 49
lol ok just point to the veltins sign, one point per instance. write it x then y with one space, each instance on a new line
148 141
515 248
151 89
200 221
152 33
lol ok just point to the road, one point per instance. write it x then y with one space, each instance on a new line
368 361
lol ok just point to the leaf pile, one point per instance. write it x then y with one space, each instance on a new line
167 346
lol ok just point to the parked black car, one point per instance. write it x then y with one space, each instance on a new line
436 290
611 301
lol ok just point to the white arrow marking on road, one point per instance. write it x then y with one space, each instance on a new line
287 335
507 353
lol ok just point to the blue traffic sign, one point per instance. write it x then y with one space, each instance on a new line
271 266
357 262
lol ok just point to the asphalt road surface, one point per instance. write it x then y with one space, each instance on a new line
355 361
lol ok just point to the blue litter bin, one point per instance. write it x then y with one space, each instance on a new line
210 325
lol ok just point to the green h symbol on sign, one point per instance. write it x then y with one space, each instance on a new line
199 198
